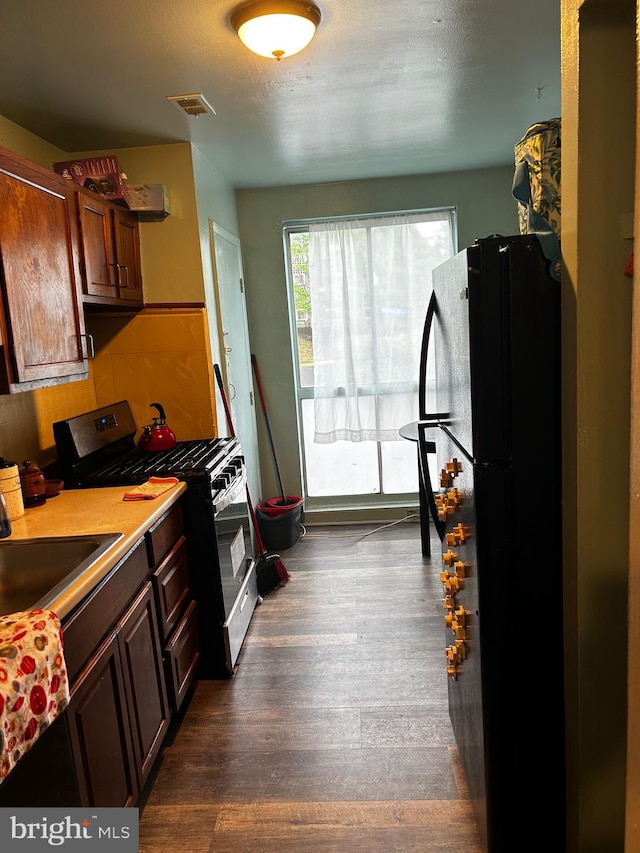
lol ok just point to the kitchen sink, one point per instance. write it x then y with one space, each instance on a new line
34 572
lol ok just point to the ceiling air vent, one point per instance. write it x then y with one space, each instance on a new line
192 105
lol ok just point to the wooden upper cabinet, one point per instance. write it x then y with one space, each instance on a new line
41 321
111 253
98 247
128 254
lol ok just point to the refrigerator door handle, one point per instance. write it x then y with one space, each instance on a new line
424 351
425 447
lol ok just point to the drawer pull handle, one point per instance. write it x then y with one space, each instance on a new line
244 601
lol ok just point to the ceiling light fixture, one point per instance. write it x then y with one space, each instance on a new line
276 27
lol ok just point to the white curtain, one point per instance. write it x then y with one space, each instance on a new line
370 282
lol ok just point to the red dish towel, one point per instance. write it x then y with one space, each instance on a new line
151 489
34 688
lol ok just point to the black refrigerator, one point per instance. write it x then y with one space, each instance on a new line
494 490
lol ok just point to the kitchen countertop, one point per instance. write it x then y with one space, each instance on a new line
79 512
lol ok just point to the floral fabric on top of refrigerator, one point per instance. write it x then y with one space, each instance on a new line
536 187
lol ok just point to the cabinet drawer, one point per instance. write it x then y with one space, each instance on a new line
181 657
164 534
172 587
86 627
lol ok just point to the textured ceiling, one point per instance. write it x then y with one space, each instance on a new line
386 88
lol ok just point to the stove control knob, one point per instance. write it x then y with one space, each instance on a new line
221 481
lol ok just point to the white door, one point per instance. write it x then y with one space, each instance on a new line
234 337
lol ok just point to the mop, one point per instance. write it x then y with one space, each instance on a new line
270 570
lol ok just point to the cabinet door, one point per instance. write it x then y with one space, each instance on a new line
127 241
98 246
144 679
100 732
43 324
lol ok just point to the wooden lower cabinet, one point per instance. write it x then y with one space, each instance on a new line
124 697
144 681
182 654
177 615
118 714
100 732
131 649
178 623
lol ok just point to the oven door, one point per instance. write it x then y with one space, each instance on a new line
237 566
231 518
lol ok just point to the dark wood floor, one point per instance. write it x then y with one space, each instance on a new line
333 735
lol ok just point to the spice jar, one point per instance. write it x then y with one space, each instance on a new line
10 488
32 482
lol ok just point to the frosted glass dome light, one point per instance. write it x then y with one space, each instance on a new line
276 29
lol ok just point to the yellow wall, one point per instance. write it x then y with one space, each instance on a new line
160 355
170 250
598 161
27 144
632 837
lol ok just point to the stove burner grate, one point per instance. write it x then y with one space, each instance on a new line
195 458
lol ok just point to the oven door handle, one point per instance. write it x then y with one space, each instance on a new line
231 493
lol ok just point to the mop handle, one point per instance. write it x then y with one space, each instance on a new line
227 411
256 372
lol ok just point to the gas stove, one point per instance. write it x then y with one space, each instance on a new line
98 449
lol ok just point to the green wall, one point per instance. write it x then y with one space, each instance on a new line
28 145
484 206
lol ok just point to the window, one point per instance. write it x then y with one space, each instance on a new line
359 290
